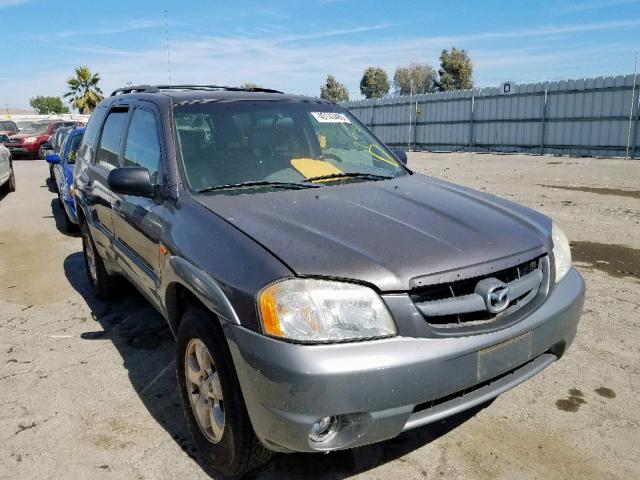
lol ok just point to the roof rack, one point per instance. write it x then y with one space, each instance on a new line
158 88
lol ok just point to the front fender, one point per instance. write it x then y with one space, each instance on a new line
178 271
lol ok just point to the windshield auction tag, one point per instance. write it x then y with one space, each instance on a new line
330 117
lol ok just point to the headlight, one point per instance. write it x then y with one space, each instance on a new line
561 252
31 140
314 311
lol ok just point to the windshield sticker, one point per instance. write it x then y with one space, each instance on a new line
330 117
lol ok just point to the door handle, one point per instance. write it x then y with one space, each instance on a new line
85 187
115 207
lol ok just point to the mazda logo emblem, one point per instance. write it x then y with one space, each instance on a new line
496 294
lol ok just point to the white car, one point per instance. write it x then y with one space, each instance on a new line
7 177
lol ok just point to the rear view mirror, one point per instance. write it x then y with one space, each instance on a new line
52 158
130 181
401 155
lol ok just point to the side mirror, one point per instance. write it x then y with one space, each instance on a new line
401 155
130 181
52 158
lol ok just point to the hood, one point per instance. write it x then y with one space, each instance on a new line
19 137
394 234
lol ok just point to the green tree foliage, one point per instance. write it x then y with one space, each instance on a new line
46 105
83 90
334 90
422 76
455 70
249 86
374 83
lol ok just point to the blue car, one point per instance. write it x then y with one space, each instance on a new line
62 164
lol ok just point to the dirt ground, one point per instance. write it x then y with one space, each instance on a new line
87 388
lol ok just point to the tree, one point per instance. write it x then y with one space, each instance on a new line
334 90
46 105
83 90
455 70
249 86
374 83
422 76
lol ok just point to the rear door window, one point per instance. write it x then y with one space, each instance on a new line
143 146
109 145
91 132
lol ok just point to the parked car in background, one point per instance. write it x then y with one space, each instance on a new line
8 127
30 141
323 295
62 164
55 144
7 177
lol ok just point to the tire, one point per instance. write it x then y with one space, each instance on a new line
235 449
10 185
40 154
102 284
68 225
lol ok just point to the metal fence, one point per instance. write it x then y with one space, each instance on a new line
592 117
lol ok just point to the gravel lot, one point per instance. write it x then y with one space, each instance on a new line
87 389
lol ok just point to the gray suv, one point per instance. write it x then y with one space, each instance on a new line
323 296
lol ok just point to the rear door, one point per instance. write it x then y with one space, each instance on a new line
137 221
107 157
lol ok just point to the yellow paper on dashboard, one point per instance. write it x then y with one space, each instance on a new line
309 167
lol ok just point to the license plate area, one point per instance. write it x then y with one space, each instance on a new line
503 357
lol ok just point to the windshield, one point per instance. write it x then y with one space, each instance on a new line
36 128
266 142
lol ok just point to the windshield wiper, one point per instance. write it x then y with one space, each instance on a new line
256 183
368 176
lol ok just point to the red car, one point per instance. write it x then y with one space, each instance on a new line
30 141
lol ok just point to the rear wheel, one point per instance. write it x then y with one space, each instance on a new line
212 399
102 283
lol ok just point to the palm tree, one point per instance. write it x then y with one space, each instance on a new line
83 90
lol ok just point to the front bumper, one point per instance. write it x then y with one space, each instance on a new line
384 387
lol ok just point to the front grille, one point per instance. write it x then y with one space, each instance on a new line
457 304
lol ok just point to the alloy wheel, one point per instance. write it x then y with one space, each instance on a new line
205 390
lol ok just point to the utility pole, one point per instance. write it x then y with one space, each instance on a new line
633 101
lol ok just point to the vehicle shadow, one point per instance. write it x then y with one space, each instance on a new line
58 214
50 185
147 348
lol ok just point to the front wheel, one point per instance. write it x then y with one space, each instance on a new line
212 399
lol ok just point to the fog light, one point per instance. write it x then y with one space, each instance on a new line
322 429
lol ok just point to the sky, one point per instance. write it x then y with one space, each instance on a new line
292 45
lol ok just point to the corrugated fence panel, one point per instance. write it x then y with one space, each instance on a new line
576 117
